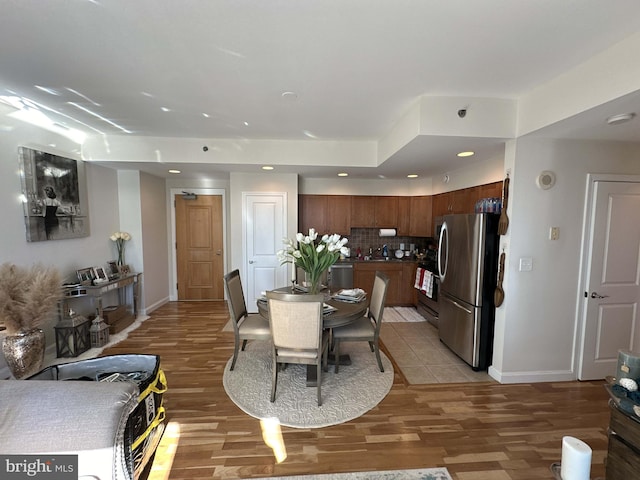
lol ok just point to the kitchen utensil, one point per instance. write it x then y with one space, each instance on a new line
503 223
498 296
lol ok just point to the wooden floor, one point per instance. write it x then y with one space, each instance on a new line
478 431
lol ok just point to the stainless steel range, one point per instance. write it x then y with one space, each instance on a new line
428 305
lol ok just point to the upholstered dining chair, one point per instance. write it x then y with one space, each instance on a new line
297 334
366 328
246 326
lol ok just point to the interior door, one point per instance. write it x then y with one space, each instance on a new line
265 227
611 295
199 243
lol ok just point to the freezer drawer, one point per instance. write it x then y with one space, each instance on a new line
459 328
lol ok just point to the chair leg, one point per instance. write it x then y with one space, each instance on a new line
244 344
319 377
336 354
372 347
274 379
378 357
235 353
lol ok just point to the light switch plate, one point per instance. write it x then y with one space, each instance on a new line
554 233
526 264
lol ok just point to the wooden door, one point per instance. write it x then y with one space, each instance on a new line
199 242
611 296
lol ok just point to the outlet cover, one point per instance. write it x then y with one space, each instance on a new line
554 233
526 264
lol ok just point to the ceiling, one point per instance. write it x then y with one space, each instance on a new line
212 69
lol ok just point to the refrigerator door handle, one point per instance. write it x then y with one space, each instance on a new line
443 236
450 299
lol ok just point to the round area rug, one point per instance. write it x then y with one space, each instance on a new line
350 393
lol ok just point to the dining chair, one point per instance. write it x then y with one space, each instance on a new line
246 326
366 328
297 334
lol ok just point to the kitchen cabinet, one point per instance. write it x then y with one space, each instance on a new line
420 217
463 200
623 455
386 212
338 219
312 213
363 211
404 216
401 275
326 213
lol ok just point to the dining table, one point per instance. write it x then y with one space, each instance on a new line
342 313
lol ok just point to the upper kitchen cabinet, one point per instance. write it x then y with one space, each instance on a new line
363 211
386 212
420 218
312 213
326 213
339 214
404 216
490 190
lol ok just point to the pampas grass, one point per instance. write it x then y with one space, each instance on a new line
27 296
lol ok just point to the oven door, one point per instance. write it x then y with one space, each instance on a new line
428 307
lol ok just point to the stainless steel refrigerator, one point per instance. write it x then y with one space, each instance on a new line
467 266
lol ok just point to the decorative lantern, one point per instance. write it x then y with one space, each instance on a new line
72 335
99 333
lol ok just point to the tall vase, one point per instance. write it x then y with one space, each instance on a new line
24 352
315 282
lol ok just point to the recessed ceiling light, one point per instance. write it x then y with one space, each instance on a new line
466 154
165 109
412 175
267 167
343 174
381 176
246 124
205 115
620 118
174 171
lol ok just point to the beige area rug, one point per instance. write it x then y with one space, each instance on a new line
355 390
402 314
415 474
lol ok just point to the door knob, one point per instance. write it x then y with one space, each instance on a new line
218 252
250 261
595 295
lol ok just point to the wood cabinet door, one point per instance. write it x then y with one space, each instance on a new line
404 216
409 293
440 205
338 214
421 220
312 213
363 211
364 274
386 212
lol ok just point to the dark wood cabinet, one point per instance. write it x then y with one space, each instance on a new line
312 213
464 200
623 456
363 211
421 219
404 216
338 214
386 212
401 275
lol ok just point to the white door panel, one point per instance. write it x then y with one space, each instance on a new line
613 289
264 228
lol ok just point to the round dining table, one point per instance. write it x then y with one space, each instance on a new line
344 314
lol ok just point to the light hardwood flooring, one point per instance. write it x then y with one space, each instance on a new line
478 430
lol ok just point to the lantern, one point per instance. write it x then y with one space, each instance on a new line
99 333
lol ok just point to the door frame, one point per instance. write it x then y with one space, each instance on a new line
586 258
173 192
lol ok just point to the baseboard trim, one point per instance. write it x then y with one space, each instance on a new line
150 308
532 377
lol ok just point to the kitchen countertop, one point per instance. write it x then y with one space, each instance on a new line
389 260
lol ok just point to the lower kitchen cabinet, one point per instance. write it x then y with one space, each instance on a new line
401 275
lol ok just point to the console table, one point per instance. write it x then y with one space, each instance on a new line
127 286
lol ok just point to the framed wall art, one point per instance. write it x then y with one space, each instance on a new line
55 196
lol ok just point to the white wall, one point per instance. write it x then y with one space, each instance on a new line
536 325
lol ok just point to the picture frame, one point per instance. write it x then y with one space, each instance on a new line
55 199
85 276
99 275
112 270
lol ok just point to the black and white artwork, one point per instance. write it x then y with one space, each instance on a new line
55 196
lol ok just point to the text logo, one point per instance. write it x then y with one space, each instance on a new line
49 467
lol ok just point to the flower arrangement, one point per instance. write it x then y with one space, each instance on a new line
119 238
312 255
27 296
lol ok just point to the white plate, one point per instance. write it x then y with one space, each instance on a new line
399 254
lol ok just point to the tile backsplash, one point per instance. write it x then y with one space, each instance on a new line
368 237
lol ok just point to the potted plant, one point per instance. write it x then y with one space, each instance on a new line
27 298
